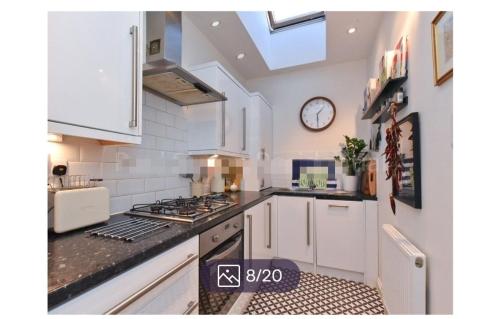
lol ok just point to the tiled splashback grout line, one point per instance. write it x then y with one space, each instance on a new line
135 173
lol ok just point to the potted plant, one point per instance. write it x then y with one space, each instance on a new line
352 154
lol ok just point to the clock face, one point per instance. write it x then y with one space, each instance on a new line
317 114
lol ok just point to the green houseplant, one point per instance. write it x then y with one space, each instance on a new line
353 154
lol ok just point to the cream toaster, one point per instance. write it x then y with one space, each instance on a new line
71 209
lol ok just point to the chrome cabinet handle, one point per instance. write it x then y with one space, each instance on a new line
244 147
308 224
337 206
223 122
135 63
190 307
269 222
249 217
141 292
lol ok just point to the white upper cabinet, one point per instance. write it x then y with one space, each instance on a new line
257 175
295 228
340 229
219 127
95 74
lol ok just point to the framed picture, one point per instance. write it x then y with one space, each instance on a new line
442 46
410 191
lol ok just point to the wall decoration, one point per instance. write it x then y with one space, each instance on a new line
409 186
317 113
376 137
321 173
442 46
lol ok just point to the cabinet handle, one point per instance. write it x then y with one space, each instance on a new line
337 206
249 217
244 147
269 217
190 307
308 223
263 153
141 292
135 63
223 123
262 183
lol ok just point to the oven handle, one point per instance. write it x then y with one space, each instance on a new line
226 252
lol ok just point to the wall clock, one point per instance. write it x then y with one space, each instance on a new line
317 113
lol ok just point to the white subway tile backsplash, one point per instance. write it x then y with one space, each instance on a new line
155 184
148 113
91 152
143 198
180 123
89 169
130 186
110 185
120 203
109 154
175 133
153 128
134 173
165 118
155 102
165 144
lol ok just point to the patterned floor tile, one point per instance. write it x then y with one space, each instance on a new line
318 294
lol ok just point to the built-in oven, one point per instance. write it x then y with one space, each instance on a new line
219 243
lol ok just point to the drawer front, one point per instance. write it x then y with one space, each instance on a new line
176 295
115 291
340 230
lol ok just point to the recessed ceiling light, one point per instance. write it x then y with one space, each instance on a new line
351 30
215 23
240 56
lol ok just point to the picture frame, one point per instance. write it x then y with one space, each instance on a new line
442 46
410 191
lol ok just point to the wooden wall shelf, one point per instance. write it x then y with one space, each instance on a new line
383 115
390 87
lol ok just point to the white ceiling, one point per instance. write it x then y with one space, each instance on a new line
231 38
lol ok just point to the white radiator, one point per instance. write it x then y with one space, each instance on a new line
402 274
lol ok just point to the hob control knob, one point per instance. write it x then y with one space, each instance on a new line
215 238
236 225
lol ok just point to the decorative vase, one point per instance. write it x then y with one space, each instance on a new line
350 183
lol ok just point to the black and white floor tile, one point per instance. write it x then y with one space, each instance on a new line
318 294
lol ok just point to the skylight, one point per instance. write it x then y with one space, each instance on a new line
287 18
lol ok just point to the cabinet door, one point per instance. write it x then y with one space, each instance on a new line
267 142
93 61
233 123
295 228
177 295
261 230
340 231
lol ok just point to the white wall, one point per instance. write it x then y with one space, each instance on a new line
287 92
431 228
197 49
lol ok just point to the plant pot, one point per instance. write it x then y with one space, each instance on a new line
350 183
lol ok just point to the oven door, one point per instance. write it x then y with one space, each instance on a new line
216 302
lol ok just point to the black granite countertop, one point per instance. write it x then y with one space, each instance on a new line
77 262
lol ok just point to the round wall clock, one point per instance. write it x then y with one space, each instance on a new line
317 113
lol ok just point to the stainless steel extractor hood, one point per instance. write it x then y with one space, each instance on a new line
162 73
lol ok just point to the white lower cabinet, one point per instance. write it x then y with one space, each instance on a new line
296 228
165 284
340 231
261 230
